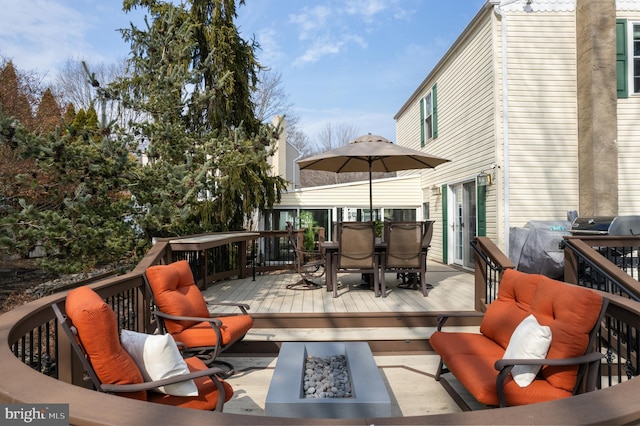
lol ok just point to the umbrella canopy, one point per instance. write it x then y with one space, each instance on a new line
370 153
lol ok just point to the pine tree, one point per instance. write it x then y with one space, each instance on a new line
14 100
191 76
48 114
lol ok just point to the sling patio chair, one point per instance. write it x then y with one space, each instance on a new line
356 252
182 311
309 264
140 366
406 254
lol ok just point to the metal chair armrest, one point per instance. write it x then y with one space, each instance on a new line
587 358
213 321
212 372
242 306
442 319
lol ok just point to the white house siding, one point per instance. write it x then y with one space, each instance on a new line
629 142
542 110
466 130
400 192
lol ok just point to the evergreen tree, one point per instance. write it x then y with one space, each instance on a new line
191 76
48 114
84 221
14 100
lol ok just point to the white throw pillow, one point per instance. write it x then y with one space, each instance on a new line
529 340
158 357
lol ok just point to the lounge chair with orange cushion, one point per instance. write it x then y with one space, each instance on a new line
183 312
92 328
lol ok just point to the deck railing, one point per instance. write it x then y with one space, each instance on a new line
31 345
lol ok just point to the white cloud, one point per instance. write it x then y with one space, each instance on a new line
319 49
271 51
42 35
366 9
310 20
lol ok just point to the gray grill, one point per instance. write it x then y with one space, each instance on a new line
606 225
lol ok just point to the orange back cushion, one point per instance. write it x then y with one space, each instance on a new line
97 328
515 296
176 293
571 312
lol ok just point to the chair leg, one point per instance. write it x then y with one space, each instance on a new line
439 371
335 280
423 283
381 288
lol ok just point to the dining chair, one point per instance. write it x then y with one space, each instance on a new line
356 252
406 252
308 263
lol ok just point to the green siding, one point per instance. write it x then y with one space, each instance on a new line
482 211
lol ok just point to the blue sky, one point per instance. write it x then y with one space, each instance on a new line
351 62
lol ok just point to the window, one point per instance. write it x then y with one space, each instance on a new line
627 58
636 58
429 116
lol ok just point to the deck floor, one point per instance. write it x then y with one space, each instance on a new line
268 294
452 291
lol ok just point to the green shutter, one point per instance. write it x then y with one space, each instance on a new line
445 227
621 59
482 211
434 100
421 121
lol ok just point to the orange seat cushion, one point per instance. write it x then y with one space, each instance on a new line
449 344
97 328
571 312
515 296
207 392
175 293
478 375
233 328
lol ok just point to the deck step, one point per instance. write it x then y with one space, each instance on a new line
344 334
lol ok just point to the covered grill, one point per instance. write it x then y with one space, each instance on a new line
606 225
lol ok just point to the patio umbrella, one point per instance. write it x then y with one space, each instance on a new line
370 153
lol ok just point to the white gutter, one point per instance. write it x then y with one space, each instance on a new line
505 122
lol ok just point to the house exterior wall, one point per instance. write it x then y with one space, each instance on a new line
466 108
542 116
400 192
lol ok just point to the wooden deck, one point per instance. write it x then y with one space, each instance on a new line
268 294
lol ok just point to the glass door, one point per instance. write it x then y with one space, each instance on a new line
463 229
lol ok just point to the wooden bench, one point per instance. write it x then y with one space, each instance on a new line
572 314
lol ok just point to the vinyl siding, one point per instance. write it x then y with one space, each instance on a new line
387 193
542 102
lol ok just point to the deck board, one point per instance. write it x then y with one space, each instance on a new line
452 291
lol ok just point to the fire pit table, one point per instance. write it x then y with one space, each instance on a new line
286 395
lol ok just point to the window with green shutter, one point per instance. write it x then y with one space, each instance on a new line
621 58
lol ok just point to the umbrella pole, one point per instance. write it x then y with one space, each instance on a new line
370 194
